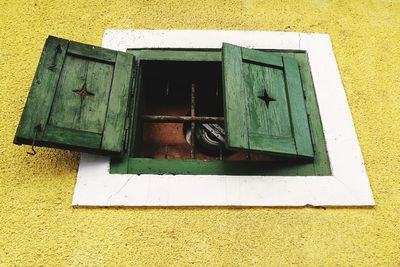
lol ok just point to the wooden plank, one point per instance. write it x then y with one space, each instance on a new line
94 107
215 167
262 57
95 52
181 55
321 159
69 109
114 126
135 126
297 106
270 121
57 105
235 98
66 105
41 94
66 136
269 125
272 144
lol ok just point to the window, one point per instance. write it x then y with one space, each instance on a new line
235 111
344 183
165 81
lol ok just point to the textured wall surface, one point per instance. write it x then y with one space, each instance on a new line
39 227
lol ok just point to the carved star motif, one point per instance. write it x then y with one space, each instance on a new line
266 98
83 92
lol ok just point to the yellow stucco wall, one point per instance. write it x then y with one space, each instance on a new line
38 225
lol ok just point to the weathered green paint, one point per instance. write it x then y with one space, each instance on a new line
261 57
69 109
41 95
235 97
165 166
79 97
171 55
301 131
93 52
279 126
269 126
71 137
114 127
321 158
135 133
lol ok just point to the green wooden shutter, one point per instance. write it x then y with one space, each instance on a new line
78 98
264 103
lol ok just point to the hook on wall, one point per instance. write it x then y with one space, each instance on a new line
38 128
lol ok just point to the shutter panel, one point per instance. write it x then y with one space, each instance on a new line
78 99
264 103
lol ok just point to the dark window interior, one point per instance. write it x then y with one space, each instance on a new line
168 117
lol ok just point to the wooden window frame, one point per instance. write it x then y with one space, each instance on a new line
348 184
318 167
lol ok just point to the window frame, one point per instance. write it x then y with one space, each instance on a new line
318 166
347 186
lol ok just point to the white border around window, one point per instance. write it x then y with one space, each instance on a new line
348 185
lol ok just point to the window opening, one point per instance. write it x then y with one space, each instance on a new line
178 99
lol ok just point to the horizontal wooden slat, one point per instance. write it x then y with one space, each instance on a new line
262 57
177 55
90 51
64 136
279 144
215 167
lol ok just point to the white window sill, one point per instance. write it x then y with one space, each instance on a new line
348 185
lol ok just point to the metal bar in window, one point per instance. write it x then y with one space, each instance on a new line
193 125
177 119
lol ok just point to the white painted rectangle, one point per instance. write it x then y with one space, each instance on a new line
348 185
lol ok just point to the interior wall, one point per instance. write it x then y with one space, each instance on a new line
39 226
